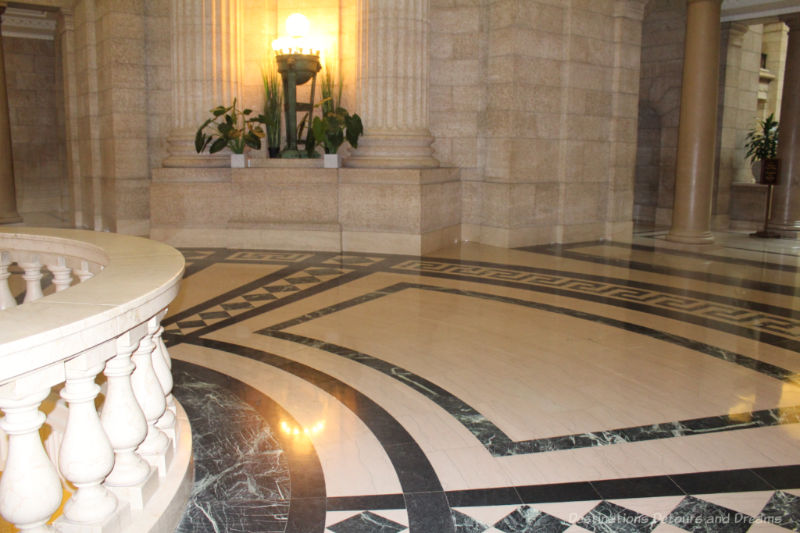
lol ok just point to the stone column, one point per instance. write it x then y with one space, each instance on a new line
786 201
8 194
731 136
697 131
393 85
206 72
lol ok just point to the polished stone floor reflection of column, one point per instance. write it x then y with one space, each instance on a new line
615 386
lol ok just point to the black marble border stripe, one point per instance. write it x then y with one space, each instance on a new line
494 439
671 271
695 483
423 494
307 499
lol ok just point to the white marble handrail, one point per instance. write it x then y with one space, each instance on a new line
111 292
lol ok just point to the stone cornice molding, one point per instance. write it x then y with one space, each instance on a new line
28 23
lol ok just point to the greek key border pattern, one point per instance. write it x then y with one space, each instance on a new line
757 321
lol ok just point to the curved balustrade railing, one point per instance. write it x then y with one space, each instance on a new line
98 323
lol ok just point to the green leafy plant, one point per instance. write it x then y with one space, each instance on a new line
335 125
229 127
762 141
273 104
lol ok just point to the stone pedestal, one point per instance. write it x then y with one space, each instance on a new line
300 206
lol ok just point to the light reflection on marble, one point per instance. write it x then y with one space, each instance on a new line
241 474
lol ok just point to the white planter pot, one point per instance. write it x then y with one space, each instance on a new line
330 160
237 161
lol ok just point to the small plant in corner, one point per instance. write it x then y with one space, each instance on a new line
229 127
762 141
336 125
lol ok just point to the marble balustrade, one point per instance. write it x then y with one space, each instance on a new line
96 333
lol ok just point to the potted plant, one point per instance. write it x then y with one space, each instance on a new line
335 125
273 103
229 127
762 143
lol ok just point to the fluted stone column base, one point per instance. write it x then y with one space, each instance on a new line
393 150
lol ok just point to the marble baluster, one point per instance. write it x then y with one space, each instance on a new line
30 489
86 455
162 366
393 85
150 396
123 419
62 274
7 300
84 273
33 279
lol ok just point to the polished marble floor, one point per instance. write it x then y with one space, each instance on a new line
617 386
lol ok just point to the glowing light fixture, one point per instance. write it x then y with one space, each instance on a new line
297 25
298 61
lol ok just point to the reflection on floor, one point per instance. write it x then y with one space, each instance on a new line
641 386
